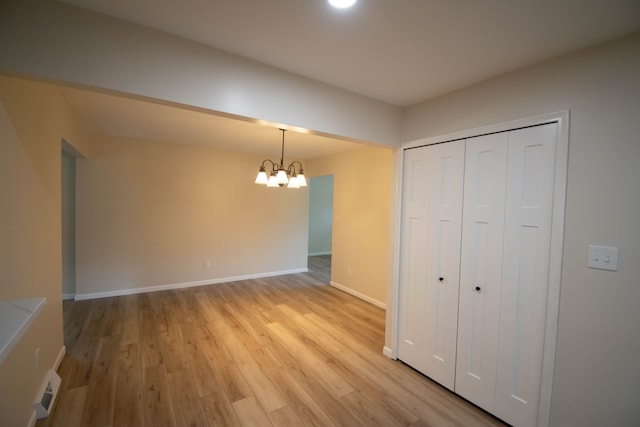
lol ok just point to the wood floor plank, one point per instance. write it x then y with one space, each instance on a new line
223 318
331 405
227 372
263 389
130 320
187 407
213 318
69 408
158 406
283 350
369 412
232 382
156 306
149 336
243 329
100 402
79 361
312 362
219 411
376 397
250 413
188 304
113 315
308 330
76 317
129 408
339 317
284 417
380 397
203 372
172 349
334 331
429 407
442 400
215 350
308 412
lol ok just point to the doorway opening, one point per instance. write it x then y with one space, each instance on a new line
68 226
320 226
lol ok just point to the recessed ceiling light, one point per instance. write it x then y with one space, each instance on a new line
342 4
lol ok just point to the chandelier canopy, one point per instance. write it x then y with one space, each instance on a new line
292 176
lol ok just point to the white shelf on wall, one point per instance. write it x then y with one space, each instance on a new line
15 318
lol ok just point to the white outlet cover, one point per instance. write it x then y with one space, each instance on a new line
603 257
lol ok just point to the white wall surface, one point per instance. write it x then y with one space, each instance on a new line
60 42
320 214
150 213
597 376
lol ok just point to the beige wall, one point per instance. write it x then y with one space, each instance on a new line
149 213
33 120
597 379
361 200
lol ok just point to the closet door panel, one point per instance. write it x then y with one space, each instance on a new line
430 257
443 260
481 268
528 213
412 257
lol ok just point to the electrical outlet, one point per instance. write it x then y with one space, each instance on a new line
206 263
603 257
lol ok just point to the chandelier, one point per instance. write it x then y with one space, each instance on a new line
279 176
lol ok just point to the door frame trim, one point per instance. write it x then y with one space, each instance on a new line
556 249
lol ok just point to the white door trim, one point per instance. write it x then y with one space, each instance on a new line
557 239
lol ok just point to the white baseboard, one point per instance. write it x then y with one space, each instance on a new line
79 297
58 361
67 296
319 253
359 295
32 420
388 352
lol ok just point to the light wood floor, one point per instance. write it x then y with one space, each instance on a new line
281 351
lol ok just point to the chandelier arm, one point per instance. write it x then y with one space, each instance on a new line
282 154
292 165
273 164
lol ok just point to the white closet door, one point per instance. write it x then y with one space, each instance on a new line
481 268
529 196
429 281
413 251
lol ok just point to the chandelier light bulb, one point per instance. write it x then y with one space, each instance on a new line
282 177
262 177
293 183
302 181
273 181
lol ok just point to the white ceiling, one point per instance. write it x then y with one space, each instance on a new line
397 51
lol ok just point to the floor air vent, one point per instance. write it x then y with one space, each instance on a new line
48 395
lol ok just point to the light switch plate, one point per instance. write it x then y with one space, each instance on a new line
603 257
